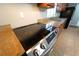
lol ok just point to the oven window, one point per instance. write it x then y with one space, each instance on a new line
50 38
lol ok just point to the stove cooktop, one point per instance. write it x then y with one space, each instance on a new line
31 40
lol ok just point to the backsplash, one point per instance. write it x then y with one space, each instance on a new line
19 14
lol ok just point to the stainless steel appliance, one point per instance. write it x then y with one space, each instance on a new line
37 39
45 44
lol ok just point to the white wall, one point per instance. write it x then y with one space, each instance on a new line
19 14
44 13
51 12
75 18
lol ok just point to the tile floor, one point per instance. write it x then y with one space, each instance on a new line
67 43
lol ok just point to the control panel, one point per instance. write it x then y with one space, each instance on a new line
43 45
35 52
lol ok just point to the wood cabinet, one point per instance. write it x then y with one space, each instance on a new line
9 43
46 5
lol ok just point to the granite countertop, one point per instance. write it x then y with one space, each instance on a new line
55 21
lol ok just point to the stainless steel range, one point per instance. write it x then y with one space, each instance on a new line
40 42
44 45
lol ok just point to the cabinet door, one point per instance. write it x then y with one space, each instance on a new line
9 43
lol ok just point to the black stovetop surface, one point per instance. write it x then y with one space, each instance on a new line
30 35
31 41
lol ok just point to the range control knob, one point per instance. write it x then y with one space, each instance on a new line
42 46
35 52
56 31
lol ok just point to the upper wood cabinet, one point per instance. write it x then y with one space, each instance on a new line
46 5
